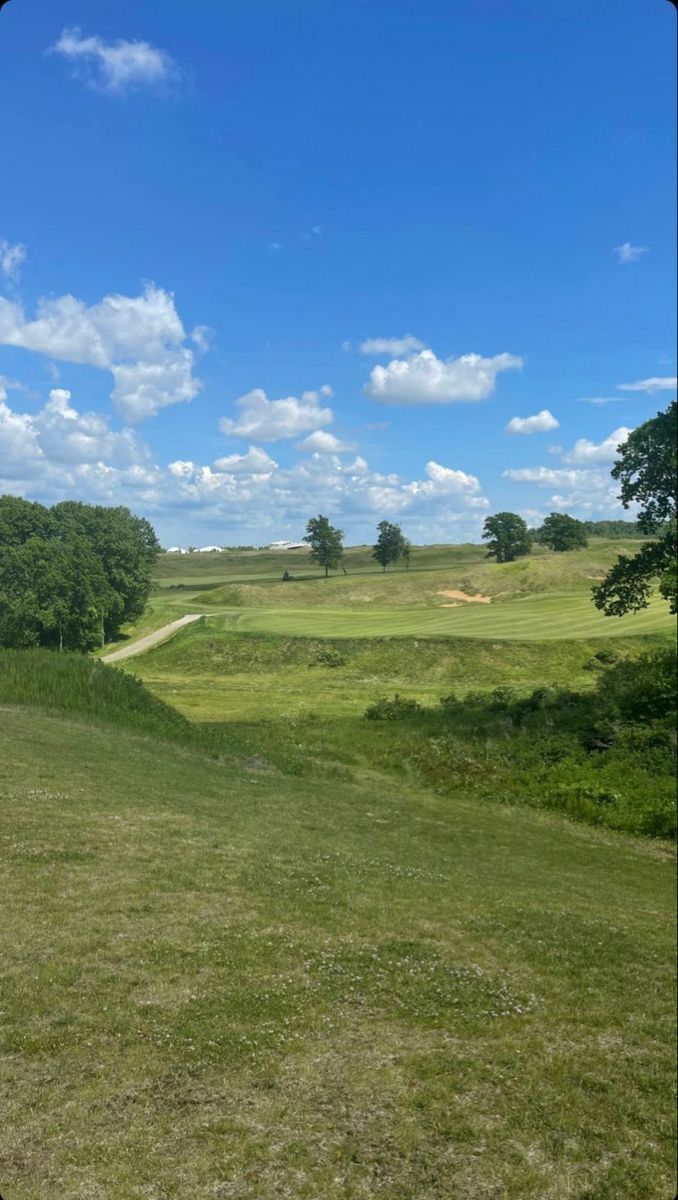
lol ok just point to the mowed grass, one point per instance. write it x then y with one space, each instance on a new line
222 980
543 617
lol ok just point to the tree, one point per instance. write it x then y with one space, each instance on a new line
407 552
647 468
562 532
325 542
390 544
508 537
71 575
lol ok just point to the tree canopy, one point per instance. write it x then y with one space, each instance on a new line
391 545
326 543
646 468
72 575
562 533
507 537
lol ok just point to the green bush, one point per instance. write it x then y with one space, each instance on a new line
397 709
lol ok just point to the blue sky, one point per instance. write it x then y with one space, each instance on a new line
264 259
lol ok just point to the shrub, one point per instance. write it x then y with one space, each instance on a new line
396 709
331 657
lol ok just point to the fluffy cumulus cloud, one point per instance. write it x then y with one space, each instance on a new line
266 420
658 383
139 339
425 379
50 447
541 422
628 253
116 67
393 347
12 259
322 442
60 451
585 451
255 462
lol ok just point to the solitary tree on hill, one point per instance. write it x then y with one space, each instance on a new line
562 532
326 543
647 468
407 552
507 537
390 544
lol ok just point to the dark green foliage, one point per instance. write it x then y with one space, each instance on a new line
326 543
613 529
72 575
647 469
287 578
507 537
393 710
562 533
605 756
329 656
76 683
391 545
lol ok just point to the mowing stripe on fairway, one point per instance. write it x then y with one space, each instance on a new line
534 618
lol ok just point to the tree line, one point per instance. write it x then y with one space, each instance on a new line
72 575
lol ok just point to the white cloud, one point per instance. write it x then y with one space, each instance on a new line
628 253
392 346
255 462
664 383
541 422
12 259
322 442
585 451
139 339
424 379
58 438
117 67
545 476
269 420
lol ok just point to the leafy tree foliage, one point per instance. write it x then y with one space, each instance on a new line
71 575
507 537
612 529
407 552
646 468
562 532
390 544
326 543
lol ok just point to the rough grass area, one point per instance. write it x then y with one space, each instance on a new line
75 683
222 980
213 674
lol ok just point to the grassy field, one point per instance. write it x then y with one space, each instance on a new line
256 946
221 979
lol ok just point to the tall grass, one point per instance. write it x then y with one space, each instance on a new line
76 683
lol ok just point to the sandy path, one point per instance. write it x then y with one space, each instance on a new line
151 639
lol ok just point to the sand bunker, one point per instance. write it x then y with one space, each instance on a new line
454 594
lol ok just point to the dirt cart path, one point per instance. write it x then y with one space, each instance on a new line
151 639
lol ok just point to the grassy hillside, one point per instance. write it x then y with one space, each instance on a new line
220 978
212 673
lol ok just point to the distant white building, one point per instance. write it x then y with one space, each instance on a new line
177 550
208 550
288 546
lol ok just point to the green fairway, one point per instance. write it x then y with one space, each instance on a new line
221 979
540 618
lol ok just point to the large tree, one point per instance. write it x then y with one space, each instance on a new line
562 532
70 576
507 537
646 469
326 543
390 544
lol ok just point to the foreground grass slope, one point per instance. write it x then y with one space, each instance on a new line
223 980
